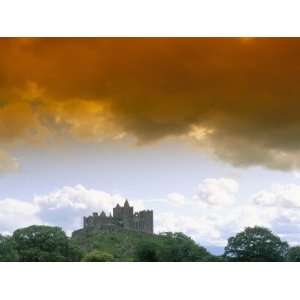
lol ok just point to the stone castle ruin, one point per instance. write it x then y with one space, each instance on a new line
123 217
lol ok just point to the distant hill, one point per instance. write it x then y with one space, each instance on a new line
126 245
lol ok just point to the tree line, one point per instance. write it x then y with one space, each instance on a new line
51 244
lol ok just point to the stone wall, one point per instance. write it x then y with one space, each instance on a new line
123 218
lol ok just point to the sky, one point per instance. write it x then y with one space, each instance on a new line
204 131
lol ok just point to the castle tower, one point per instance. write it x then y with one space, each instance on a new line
123 217
125 212
143 221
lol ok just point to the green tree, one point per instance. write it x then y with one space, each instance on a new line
146 251
137 246
98 256
294 254
256 244
44 243
178 247
8 250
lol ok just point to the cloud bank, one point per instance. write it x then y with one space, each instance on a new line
237 99
217 192
67 206
15 214
64 207
209 224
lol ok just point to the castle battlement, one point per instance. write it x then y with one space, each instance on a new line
123 217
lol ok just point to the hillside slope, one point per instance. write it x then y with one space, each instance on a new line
124 245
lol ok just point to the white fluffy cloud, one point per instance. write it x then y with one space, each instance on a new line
217 191
176 199
64 207
279 195
15 214
284 203
216 219
214 227
67 206
200 228
211 223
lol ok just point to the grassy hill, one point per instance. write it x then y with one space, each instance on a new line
137 246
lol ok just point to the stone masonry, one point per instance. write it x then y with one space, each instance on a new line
123 217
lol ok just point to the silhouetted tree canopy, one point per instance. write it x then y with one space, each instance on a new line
256 244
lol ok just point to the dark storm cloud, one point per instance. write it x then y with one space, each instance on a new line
244 92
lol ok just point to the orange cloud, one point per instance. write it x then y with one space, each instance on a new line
244 94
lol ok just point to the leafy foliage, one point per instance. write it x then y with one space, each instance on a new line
98 256
44 243
137 246
8 250
178 247
294 254
256 244
147 251
121 244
